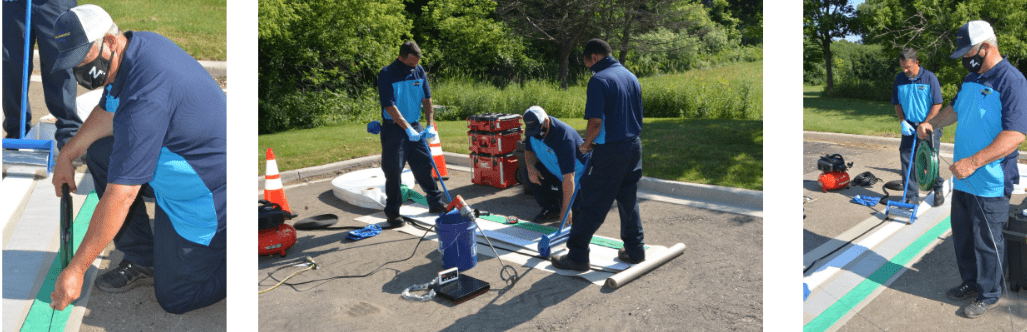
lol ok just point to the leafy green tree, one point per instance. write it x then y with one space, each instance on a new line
463 38
564 23
308 45
824 20
930 27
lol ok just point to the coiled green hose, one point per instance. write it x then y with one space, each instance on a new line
926 164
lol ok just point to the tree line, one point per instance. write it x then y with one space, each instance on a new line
888 26
308 46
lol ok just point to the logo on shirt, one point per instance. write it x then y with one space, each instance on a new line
417 83
921 87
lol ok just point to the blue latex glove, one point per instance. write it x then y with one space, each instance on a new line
866 200
429 133
413 135
363 233
374 127
907 130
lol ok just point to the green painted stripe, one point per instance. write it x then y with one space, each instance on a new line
41 317
836 311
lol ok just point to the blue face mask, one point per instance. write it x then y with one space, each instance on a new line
92 75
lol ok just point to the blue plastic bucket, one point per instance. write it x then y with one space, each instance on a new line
457 241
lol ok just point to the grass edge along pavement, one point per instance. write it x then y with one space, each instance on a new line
717 152
850 300
37 317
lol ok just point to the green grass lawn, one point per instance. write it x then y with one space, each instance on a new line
855 116
718 152
198 26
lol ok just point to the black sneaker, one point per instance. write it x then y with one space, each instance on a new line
962 292
438 209
977 308
125 277
546 216
565 263
939 196
915 200
623 255
396 222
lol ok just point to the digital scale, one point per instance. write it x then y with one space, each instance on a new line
457 288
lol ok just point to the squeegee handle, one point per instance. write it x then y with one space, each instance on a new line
436 167
912 156
25 68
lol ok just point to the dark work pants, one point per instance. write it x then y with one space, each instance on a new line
397 149
977 224
613 173
58 88
187 275
905 151
549 194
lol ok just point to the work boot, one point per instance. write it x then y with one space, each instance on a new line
396 222
546 216
915 200
962 292
977 308
565 263
125 277
623 255
939 196
438 209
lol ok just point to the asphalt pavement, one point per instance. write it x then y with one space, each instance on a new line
717 284
914 299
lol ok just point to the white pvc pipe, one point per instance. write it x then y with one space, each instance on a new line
650 263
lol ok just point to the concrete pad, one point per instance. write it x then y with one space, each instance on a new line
716 284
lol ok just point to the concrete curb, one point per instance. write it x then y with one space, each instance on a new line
215 68
743 201
850 138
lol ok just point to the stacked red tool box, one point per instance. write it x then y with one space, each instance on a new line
492 140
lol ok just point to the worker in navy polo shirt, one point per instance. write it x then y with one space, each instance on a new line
991 109
917 98
58 85
554 162
159 124
403 92
614 113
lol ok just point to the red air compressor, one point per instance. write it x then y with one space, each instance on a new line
834 175
274 235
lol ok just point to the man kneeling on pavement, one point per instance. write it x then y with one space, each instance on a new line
553 161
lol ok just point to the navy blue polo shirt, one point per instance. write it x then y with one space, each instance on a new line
986 105
404 87
169 131
916 95
558 151
615 96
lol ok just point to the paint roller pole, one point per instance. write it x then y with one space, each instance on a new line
25 68
633 272
546 243
432 160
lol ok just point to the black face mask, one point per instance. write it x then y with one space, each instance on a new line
92 75
974 63
542 132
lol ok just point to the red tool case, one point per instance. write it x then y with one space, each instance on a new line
493 122
494 143
496 171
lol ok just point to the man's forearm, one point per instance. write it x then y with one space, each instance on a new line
530 159
1005 143
933 112
98 125
592 130
106 222
899 113
429 112
397 117
944 117
568 192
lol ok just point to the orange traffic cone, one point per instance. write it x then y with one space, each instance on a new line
273 190
436 154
